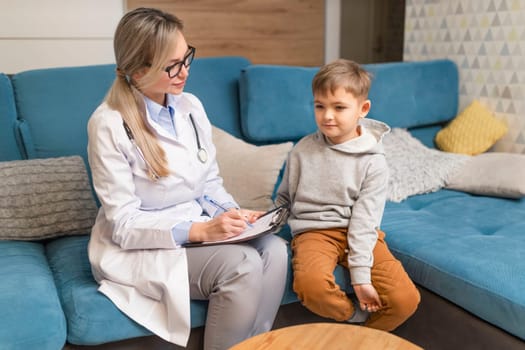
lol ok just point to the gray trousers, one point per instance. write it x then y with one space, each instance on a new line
244 284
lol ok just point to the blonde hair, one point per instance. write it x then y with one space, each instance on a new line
144 37
342 73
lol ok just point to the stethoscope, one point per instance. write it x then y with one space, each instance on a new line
202 155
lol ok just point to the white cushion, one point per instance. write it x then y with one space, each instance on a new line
250 172
491 174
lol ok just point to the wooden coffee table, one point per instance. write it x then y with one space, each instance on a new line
324 336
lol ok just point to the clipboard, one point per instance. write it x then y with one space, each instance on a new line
268 223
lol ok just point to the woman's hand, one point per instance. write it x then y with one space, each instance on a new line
250 215
228 224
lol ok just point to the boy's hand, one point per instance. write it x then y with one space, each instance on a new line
368 297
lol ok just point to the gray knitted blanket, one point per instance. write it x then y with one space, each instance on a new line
415 168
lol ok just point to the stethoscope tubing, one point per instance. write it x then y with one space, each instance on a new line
202 155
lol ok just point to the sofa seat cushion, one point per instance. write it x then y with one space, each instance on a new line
31 316
468 249
91 317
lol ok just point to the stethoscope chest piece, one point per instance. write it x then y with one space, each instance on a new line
202 155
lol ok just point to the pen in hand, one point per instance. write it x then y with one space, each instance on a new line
219 206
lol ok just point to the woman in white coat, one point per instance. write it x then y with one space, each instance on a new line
153 161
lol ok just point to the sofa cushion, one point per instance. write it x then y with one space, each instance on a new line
54 105
52 112
8 144
468 249
91 317
472 132
414 94
250 172
45 198
31 314
426 134
277 101
415 168
491 174
215 81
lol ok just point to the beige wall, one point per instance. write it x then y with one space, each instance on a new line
54 33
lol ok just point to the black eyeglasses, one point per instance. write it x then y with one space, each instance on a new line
175 68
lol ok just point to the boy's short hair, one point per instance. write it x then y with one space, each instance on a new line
342 73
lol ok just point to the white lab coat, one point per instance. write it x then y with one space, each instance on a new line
132 253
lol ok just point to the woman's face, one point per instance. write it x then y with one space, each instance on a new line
175 85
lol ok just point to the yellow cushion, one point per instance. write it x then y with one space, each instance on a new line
472 132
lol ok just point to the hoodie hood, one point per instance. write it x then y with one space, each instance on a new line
370 140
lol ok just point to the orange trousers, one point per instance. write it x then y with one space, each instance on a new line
315 256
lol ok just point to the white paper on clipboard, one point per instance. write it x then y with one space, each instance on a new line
265 224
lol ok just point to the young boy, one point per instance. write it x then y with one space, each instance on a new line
335 183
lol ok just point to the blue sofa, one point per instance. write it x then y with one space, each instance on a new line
465 252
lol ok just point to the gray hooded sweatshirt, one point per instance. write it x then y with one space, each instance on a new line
334 186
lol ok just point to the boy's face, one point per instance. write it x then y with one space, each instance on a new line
337 115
